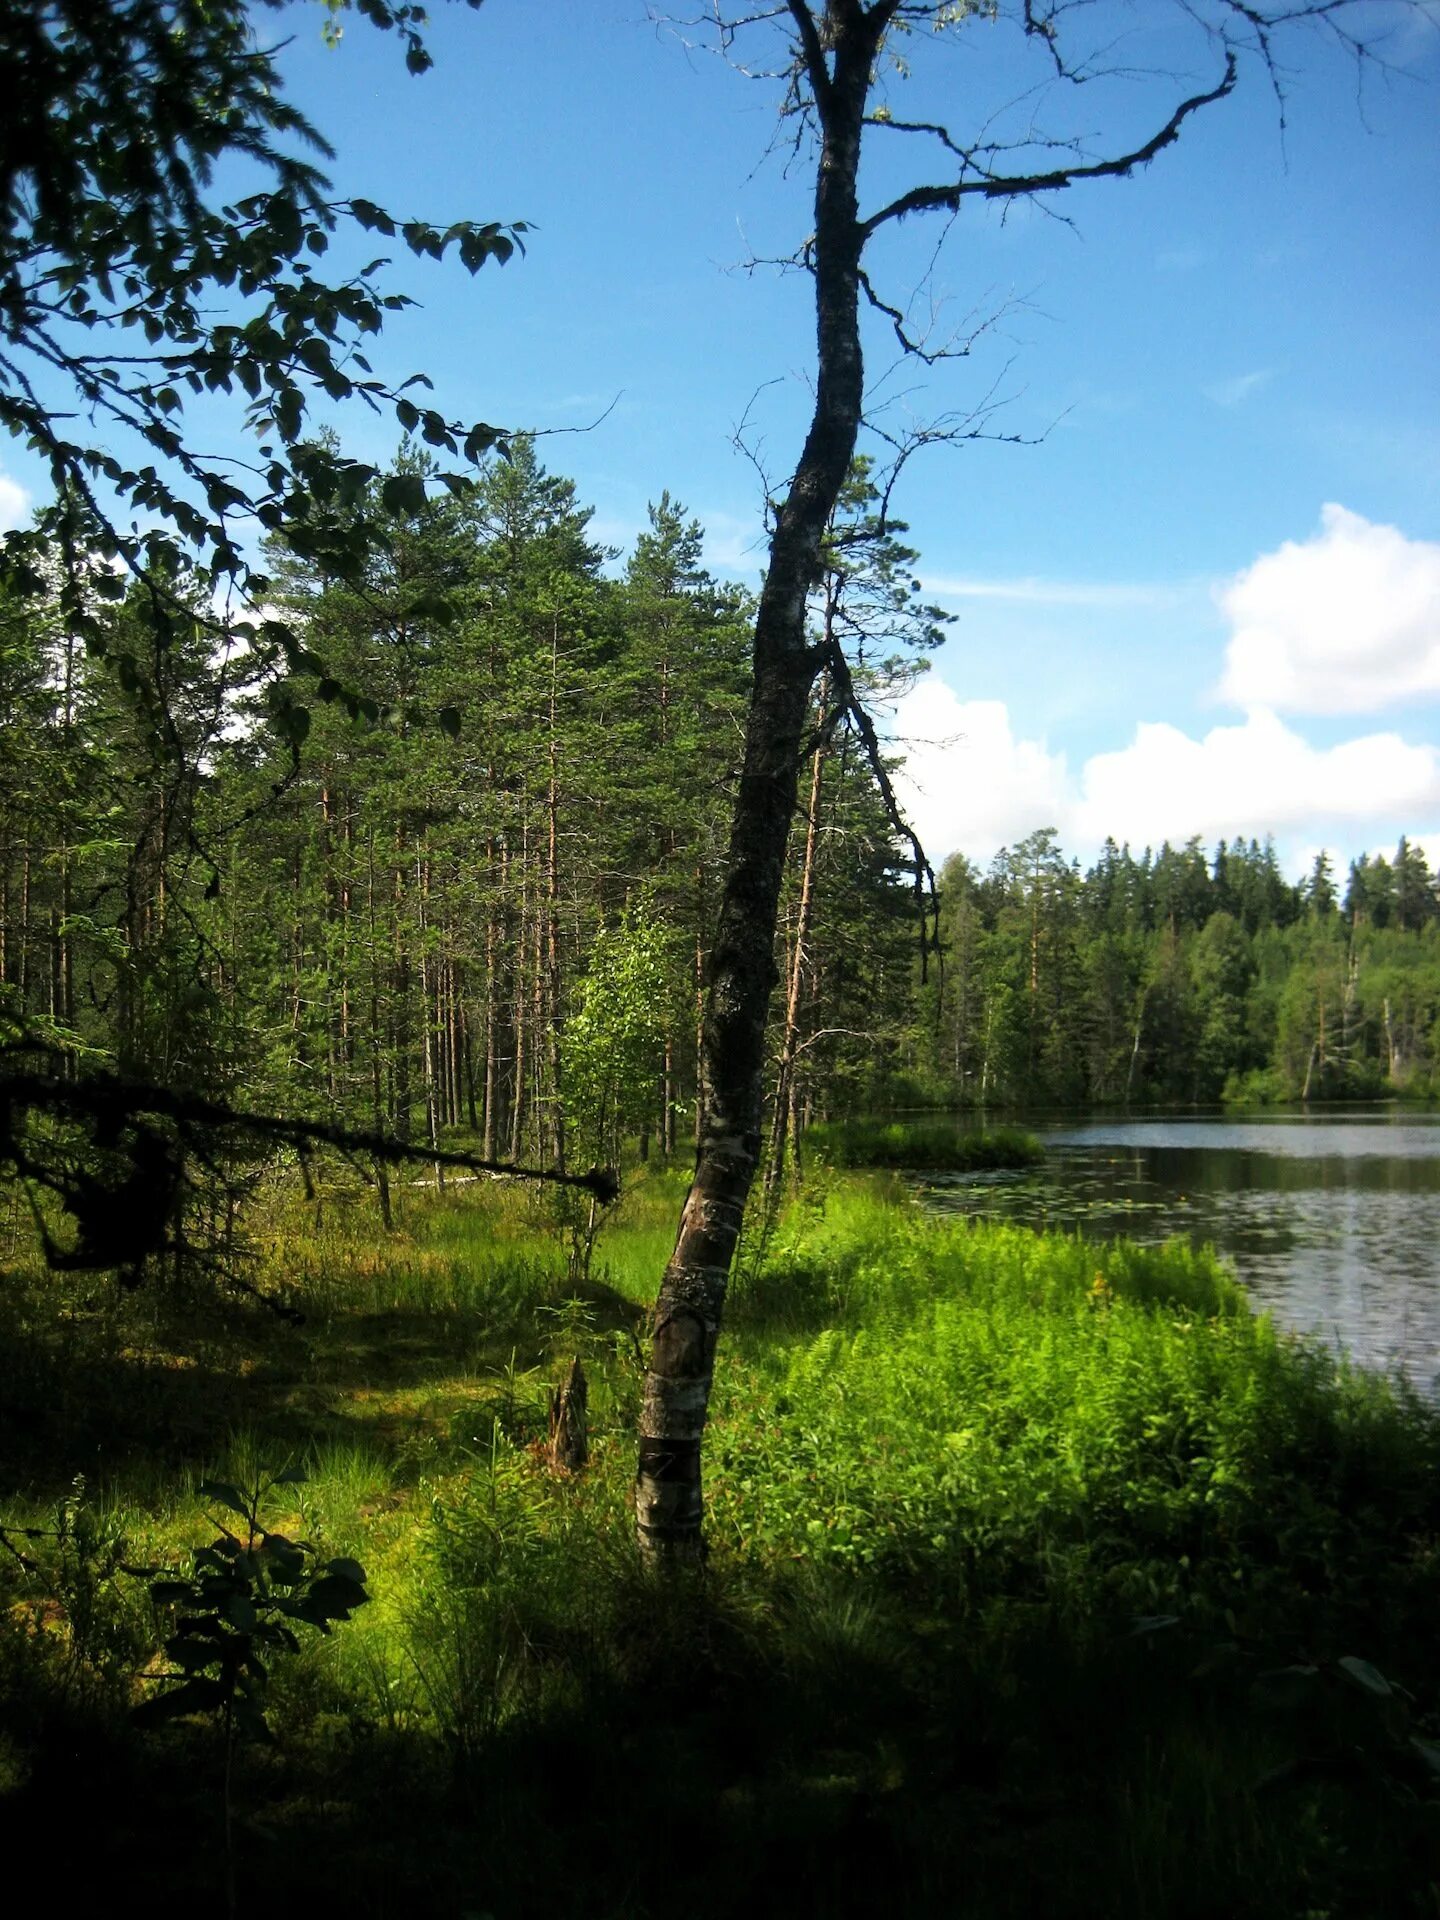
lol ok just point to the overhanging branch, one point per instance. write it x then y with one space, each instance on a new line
991 187
927 898
124 1189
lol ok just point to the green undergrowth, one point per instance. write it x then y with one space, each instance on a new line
1044 1577
921 1145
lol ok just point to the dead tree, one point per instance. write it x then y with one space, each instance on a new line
569 1428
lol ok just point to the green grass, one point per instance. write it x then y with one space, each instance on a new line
928 1145
1015 1541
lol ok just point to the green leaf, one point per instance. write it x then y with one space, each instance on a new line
292 722
1366 1676
226 1495
193 1655
480 440
402 493
288 412
1286 1688
239 1610
283 1560
332 1597
171 1593
431 605
373 217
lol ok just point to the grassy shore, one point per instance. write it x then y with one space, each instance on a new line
929 1144
1044 1577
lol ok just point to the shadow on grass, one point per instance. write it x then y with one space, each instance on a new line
796 1743
127 1393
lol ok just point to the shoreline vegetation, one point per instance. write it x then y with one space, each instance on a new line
930 1142
1044 1576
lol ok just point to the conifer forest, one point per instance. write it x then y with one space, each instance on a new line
499 924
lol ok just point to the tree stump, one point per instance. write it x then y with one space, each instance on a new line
569 1435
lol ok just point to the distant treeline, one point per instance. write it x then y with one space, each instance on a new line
1185 976
458 872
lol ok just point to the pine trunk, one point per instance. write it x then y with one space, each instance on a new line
782 1121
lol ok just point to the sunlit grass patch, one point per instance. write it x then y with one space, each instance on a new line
992 1411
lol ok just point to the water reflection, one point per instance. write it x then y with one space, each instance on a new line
1331 1221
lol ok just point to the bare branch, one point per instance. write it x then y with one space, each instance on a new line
927 898
743 444
990 187
958 347
813 53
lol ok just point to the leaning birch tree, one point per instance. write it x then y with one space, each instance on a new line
828 59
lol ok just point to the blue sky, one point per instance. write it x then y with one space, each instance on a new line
1208 600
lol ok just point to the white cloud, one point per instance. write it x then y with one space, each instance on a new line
970 783
1230 393
734 543
1348 621
1030 591
1256 777
1428 843
14 503
613 530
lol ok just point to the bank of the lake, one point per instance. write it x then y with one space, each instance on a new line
1331 1217
1041 1569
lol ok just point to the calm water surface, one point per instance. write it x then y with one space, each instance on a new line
1331 1221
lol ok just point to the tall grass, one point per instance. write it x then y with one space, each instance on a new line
993 1412
925 1144
1007 1533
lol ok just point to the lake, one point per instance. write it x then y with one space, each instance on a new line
1331 1220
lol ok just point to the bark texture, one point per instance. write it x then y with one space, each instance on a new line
742 974
569 1424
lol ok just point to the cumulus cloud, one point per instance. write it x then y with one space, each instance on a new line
1346 622
970 783
14 503
1256 777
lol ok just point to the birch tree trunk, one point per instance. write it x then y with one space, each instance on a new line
742 974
